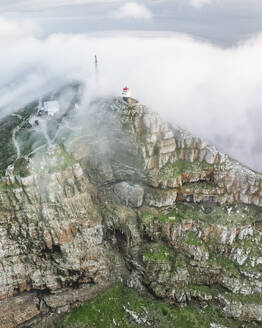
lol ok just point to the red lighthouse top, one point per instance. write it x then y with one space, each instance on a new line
126 92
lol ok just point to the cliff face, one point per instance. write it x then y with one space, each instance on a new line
124 196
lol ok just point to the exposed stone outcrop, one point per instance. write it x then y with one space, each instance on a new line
51 240
135 200
132 195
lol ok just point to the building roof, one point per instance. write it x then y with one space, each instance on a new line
51 107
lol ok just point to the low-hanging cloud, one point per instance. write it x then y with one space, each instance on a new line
13 30
133 10
200 3
25 5
213 92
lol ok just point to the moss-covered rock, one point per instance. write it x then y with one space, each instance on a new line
134 201
123 307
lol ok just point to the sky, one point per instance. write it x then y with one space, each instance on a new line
224 22
197 62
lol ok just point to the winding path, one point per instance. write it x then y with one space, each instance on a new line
16 144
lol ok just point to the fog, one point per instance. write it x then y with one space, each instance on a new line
212 91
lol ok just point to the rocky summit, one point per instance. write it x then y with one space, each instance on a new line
112 194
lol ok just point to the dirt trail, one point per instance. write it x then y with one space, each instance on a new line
16 144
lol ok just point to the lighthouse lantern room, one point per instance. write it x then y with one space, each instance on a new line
126 93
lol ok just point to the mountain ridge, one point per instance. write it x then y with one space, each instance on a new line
115 191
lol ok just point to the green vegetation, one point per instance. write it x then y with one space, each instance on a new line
192 239
225 263
132 113
201 186
29 140
244 299
8 152
8 187
180 263
164 218
21 167
7 125
128 115
228 215
158 254
174 170
125 308
56 160
202 290
63 161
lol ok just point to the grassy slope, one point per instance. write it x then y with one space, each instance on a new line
111 309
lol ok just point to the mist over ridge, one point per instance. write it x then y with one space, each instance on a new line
213 92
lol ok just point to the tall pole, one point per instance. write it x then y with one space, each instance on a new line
40 103
96 67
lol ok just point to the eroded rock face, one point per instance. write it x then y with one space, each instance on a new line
52 240
135 200
130 194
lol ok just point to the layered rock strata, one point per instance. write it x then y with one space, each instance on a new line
134 200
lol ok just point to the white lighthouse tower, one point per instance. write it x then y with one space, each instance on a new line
126 94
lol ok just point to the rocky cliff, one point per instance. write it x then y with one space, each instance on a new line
117 194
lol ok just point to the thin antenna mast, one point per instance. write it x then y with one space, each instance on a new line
40 103
96 66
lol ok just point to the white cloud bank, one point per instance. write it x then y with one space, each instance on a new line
133 10
200 3
24 5
14 30
213 92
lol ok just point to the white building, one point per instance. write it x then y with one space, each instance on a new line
51 107
126 92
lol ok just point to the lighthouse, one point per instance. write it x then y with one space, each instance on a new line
127 98
126 94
